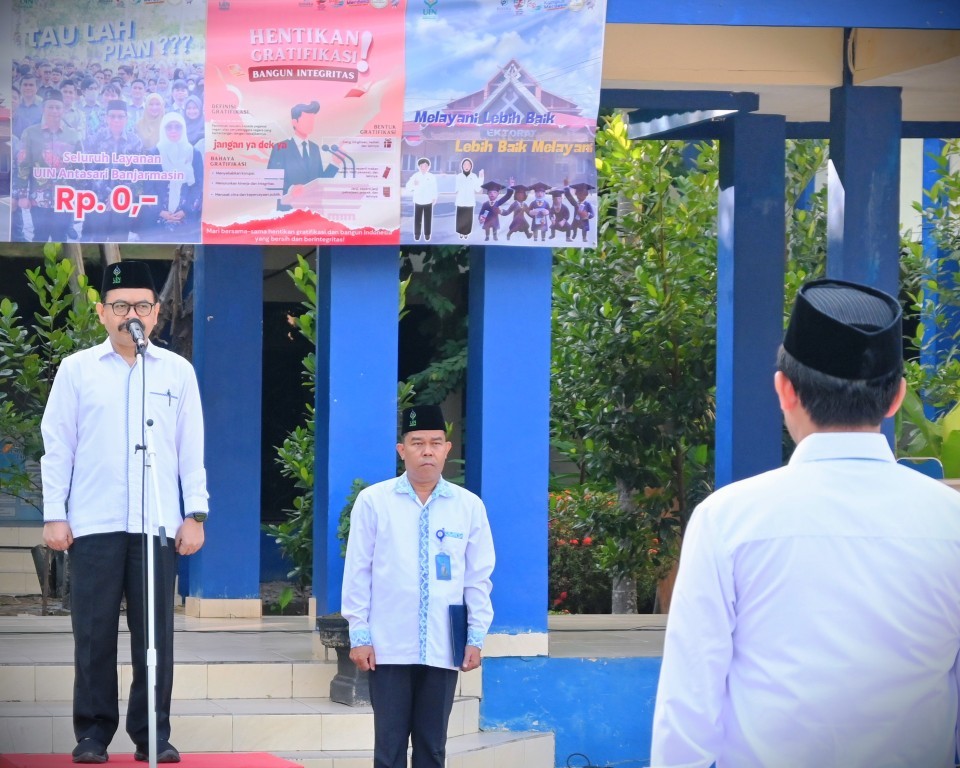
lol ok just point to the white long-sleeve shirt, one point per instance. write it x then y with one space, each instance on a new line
816 618
423 187
91 470
467 188
391 595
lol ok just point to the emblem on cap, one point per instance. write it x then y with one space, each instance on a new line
116 274
413 418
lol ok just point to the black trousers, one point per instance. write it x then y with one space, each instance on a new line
104 568
422 220
411 700
49 224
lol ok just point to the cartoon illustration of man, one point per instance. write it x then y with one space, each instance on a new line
423 186
490 210
298 156
539 210
582 209
559 215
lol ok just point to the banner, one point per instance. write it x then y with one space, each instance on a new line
499 121
305 107
109 128
6 110
310 122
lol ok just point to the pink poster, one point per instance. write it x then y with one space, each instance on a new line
304 103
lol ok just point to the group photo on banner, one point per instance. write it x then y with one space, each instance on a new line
288 122
107 130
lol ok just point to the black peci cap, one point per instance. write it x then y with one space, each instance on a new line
127 274
845 330
422 417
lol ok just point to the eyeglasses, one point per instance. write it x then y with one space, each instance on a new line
122 308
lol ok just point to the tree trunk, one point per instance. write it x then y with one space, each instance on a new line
624 595
72 252
625 587
110 253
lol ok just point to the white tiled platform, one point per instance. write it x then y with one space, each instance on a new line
241 685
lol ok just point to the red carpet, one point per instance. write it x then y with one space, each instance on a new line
220 760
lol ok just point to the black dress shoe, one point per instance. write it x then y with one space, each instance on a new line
90 751
166 753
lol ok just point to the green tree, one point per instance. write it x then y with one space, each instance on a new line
30 353
634 345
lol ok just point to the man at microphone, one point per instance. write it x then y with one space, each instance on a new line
97 502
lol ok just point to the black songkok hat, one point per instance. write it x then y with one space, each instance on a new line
127 274
845 330
422 417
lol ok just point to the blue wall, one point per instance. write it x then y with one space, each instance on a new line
601 708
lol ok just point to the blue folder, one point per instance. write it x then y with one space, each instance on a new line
458 633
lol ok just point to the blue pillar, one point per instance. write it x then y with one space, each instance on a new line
508 423
358 300
941 271
750 277
227 355
863 194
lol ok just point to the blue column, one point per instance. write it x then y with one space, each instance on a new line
941 271
863 195
750 278
227 355
358 300
508 423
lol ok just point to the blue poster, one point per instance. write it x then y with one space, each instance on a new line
500 116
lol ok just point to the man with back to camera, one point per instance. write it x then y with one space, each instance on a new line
95 501
417 545
816 616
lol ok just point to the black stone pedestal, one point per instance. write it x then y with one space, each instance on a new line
350 686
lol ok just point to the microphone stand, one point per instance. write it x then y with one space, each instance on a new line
150 455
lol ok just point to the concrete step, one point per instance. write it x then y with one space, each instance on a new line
225 725
191 681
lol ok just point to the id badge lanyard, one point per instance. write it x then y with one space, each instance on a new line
442 560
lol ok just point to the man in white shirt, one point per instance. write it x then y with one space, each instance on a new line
417 545
816 616
97 502
423 187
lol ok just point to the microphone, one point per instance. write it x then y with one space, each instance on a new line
344 156
135 329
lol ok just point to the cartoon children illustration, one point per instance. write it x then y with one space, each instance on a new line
539 210
490 210
518 208
559 215
582 209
